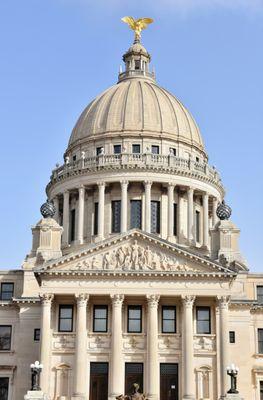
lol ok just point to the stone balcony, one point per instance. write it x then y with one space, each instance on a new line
146 161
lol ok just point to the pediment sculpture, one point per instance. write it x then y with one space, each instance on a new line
133 257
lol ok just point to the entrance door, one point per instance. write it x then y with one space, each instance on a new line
169 382
98 381
4 388
133 374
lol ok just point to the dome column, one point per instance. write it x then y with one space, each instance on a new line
170 211
65 218
147 186
56 205
205 221
81 214
190 214
124 201
101 207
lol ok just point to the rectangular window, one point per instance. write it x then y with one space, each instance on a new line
100 318
155 217
136 214
136 148
7 290
137 64
260 294
72 225
117 149
65 318
96 215
74 158
197 226
203 320
37 335
155 149
197 159
116 216
169 319
175 219
134 319
172 151
5 337
4 386
98 150
260 341
232 337
261 390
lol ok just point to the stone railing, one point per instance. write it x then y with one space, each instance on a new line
136 73
129 160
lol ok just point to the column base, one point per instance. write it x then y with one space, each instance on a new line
188 397
232 396
34 395
78 396
152 396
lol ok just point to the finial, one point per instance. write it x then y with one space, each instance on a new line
223 211
137 25
48 209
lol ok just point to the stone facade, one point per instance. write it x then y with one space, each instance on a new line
135 277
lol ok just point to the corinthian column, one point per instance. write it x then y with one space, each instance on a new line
101 221
148 186
80 371
81 214
56 205
116 366
205 220
188 348
65 218
224 359
214 216
124 199
190 216
45 340
152 347
170 211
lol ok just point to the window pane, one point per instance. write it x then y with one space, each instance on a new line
117 149
96 214
4 384
197 226
155 217
5 337
116 216
202 314
136 148
168 326
100 325
134 313
7 291
260 294
155 149
168 313
66 325
100 312
136 212
134 325
203 327
98 150
65 312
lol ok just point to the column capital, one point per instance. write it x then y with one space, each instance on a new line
124 183
101 184
117 299
190 189
188 301
152 300
66 192
205 195
46 299
82 299
148 183
171 185
81 187
223 302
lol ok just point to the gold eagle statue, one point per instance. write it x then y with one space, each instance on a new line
137 25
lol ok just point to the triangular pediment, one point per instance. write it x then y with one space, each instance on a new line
134 252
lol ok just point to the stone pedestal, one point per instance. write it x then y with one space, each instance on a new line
35 395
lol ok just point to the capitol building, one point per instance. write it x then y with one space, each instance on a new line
135 273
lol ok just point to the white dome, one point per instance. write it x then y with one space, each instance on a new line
137 106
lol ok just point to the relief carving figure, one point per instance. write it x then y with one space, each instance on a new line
133 257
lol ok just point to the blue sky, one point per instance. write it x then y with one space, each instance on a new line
57 55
